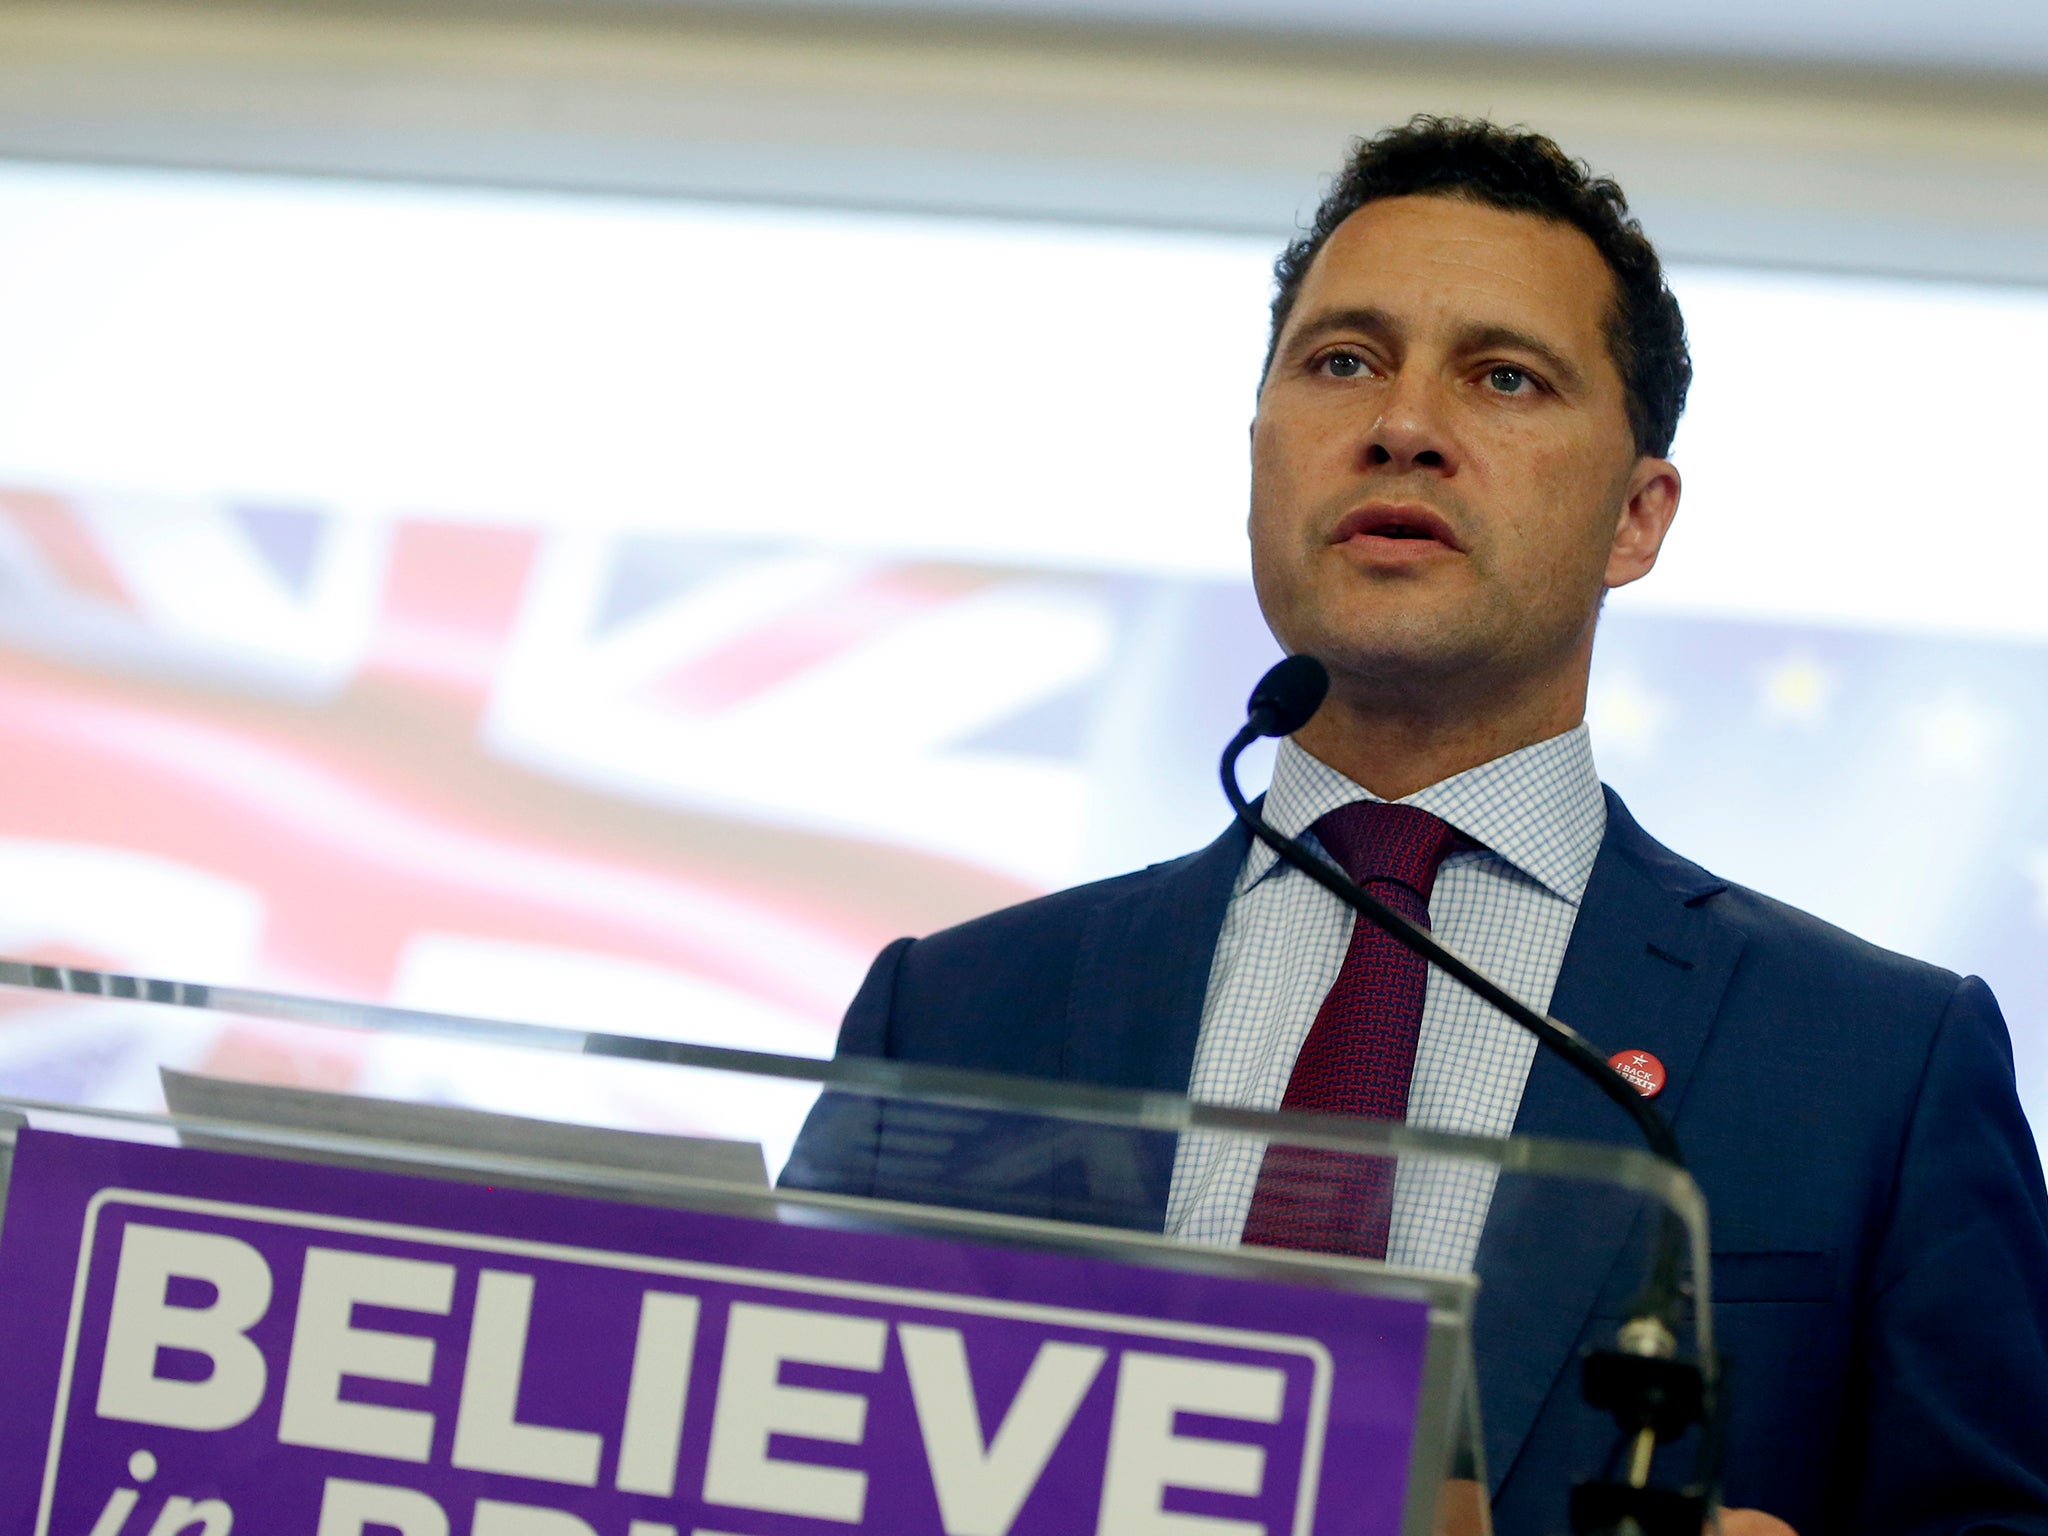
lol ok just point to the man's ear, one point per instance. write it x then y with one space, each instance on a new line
1646 514
1251 443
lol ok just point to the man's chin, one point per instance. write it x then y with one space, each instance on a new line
1403 657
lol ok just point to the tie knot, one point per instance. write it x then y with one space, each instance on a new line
1372 840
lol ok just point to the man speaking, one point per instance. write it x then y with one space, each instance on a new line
1474 377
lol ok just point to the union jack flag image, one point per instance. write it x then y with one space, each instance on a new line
488 769
686 787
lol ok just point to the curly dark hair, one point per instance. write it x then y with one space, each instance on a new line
1522 172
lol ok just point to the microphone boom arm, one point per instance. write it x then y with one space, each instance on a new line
1652 1395
1661 1295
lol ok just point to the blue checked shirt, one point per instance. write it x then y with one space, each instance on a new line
1508 907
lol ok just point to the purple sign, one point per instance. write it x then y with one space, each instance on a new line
197 1343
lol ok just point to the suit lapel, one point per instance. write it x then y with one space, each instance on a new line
1141 974
1645 970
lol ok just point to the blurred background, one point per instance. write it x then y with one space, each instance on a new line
611 513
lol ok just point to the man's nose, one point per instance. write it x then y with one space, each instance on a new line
1411 431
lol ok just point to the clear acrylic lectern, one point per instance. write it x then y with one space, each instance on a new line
262 1275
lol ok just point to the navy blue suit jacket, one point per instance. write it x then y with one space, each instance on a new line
1880 1226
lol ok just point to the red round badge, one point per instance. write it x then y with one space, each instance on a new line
1644 1072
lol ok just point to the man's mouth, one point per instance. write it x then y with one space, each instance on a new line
1405 522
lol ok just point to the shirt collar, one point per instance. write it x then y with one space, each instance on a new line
1540 809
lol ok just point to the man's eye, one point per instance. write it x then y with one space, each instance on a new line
1509 380
1343 365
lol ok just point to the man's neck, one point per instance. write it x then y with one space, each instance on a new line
1394 754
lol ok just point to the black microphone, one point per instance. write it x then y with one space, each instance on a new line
1651 1395
1287 697
1285 700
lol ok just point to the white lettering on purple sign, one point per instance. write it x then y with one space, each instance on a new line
143 1322
650 1394
328 1347
489 1436
982 1484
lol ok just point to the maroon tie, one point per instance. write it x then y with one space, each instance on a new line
1360 1052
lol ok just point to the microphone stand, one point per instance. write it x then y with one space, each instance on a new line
1653 1395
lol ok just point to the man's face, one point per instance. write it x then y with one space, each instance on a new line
1443 476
